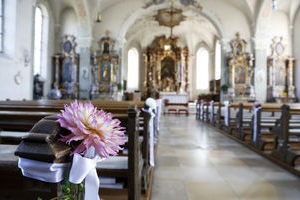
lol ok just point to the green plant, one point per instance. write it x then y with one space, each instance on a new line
70 191
224 88
120 86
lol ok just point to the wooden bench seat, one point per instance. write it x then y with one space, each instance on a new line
12 179
11 137
122 166
272 138
287 143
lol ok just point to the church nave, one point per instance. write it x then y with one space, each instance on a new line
196 161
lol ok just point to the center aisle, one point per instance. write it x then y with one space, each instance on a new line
196 162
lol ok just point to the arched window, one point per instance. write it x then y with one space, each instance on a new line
202 69
218 60
133 69
1 25
40 42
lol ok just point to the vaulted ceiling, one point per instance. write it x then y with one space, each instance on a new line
133 22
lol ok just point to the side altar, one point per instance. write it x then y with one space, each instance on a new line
281 84
105 70
240 72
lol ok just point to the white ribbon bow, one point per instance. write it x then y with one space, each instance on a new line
226 113
82 168
47 172
211 111
85 168
151 137
255 110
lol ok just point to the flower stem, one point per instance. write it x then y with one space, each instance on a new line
57 198
78 192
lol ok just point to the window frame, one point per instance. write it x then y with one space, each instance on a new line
41 41
137 68
219 75
198 67
2 19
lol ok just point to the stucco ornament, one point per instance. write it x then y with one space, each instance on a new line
18 78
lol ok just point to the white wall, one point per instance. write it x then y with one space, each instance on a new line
17 43
16 77
69 23
297 53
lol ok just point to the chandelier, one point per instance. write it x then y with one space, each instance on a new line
169 17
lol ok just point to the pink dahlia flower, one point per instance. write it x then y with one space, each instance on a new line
93 127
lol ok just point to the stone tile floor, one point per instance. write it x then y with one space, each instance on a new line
196 162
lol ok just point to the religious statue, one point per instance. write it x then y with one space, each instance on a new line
38 85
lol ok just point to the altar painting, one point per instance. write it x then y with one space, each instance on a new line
168 74
240 74
105 72
280 72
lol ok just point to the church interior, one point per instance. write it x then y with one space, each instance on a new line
206 91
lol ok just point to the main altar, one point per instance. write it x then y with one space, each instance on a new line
166 67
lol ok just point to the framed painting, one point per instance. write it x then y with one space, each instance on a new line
240 75
105 72
280 72
168 68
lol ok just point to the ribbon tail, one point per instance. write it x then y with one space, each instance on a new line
85 168
92 186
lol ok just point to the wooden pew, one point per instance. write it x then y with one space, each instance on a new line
57 105
243 121
21 120
11 137
22 115
129 167
276 127
287 134
14 186
144 131
198 109
230 111
266 116
220 115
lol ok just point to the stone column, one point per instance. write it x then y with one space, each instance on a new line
85 77
224 68
260 74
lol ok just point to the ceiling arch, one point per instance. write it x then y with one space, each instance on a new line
141 23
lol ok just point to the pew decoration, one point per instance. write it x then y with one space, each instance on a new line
99 136
81 131
93 128
256 107
151 108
